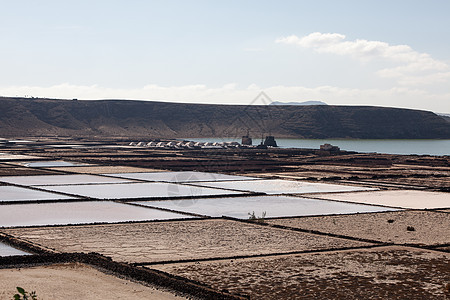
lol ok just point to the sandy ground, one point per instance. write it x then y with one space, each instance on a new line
379 273
163 241
426 182
421 176
395 169
301 175
104 169
74 281
431 228
395 198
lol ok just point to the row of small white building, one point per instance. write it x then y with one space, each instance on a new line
186 145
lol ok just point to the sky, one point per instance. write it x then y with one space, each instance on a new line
383 53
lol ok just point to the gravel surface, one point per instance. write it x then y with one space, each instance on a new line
177 240
430 227
378 273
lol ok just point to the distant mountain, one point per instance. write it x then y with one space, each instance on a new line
445 116
25 117
299 103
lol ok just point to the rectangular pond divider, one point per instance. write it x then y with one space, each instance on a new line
146 275
26 246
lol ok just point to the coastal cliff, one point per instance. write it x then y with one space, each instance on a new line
127 118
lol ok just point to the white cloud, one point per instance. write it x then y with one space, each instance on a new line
232 94
412 67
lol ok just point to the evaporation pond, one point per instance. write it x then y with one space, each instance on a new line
278 186
78 213
14 193
54 163
6 250
138 190
274 206
396 198
60 179
181 176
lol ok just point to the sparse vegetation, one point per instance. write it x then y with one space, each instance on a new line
252 216
24 295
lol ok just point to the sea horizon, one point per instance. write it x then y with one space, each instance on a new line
434 147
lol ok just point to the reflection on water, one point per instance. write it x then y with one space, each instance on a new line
402 198
14 193
278 186
181 176
274 206
49 164
60 179
78 213
6 250
138 190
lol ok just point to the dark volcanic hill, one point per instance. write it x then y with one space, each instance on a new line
125 118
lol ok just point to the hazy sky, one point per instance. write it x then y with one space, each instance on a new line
384 53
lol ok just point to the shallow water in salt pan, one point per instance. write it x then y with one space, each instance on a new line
60 179
274 206
6 250
13 193
138 190
278 186
181 176
49 164
78 213
401 198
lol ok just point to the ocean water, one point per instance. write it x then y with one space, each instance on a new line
420 147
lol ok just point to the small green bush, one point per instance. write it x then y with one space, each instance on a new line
24 295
